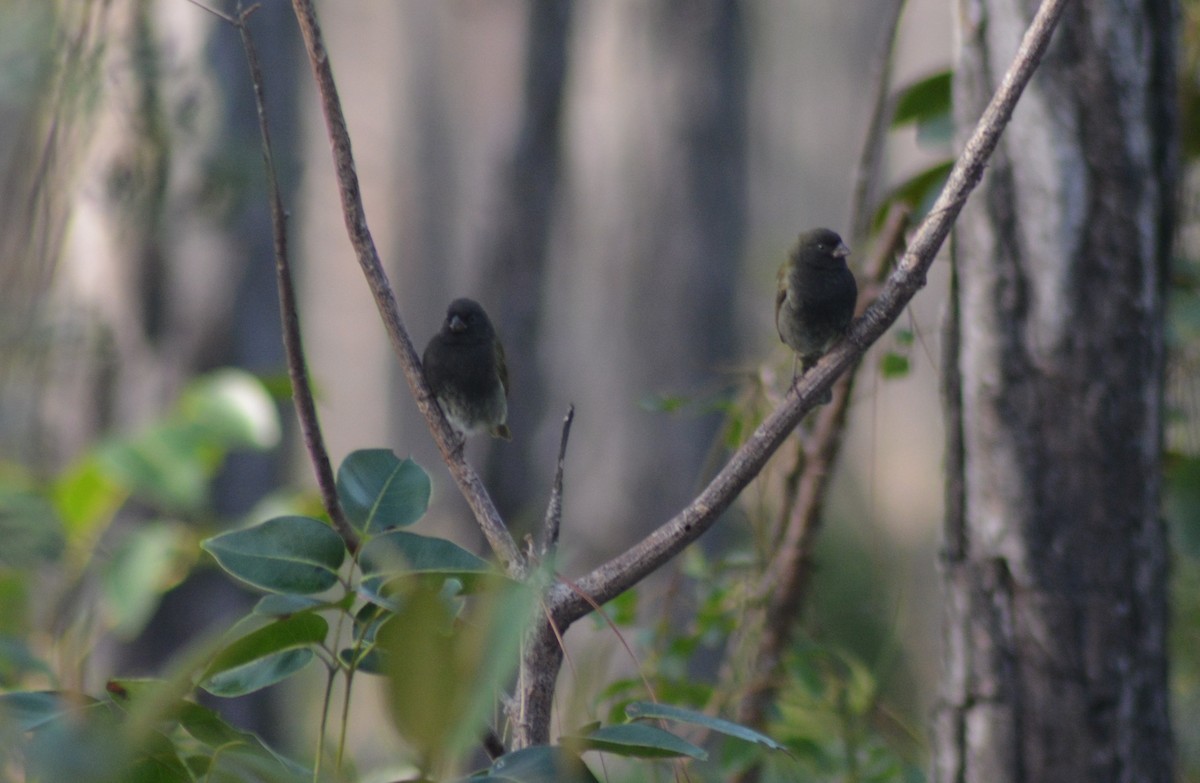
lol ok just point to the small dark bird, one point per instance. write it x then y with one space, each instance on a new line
816 297
465 370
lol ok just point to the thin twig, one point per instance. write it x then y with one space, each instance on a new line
554 507
293 344
448 442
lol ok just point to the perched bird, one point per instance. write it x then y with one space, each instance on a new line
816 297
465 370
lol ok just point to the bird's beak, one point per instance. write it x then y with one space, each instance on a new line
841 251
457 324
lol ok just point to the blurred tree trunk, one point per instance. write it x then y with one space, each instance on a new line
644 267
514 263
1055 562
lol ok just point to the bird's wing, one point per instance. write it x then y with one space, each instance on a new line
780 290
501 365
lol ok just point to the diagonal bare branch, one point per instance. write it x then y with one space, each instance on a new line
628 568
448 443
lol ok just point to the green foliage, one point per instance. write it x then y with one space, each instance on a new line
291 555
378 493
926 104
442 627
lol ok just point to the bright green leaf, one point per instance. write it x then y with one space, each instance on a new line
234 408
442 673
282 555
893 365
641 710
379 491
86 496
638 740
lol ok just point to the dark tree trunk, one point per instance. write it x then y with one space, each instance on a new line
1056 557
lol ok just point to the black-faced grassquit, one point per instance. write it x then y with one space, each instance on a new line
816 295
465 370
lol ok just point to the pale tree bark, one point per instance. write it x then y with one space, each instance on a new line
1055 560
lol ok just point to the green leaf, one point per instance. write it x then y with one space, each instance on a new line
234 408
283 605
31 531
30 710
893 365
161 465
638 740
399 554
641 710
145 565
265 656
918 191
17 660
923 100
240 751
927 103
539 764
379 491
87 497
369 660
283 555
442 673
1181 504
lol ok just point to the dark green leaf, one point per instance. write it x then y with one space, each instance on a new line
240 751
636 739
31 531
370 659
265 656
399 553
32 709
918 191
379 491
640 710
1182 501
282 605
923 100
283 555
539 764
